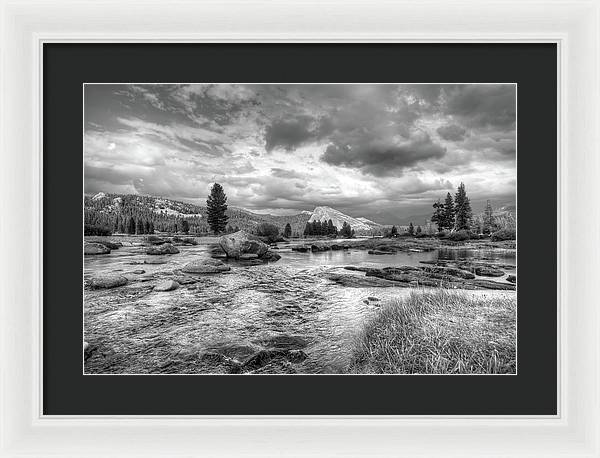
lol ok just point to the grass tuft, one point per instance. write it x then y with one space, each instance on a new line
439 332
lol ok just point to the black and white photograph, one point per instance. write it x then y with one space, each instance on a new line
269 229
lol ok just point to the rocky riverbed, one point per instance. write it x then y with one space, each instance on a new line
279 310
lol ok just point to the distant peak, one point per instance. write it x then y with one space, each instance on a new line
100 195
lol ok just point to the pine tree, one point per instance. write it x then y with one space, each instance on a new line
464 214
147 227
307 229
394 231
330 228
216 204
346 231
131 226
185 226
411 229
449 212
488 218
139 227
419 230
317 227
438 214
151 230
287 232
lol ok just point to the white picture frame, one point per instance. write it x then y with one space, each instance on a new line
573 25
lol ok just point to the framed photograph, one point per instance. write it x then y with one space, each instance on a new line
348 237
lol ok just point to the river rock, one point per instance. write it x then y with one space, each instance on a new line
356 281
407 276
107 281
205 266
450 271
271 256
166 285
165 248
155 261
337 247
380 252
155 240
512 278
489 284
301 248
246 256
265 357
488 272
95 248
111 245
239 243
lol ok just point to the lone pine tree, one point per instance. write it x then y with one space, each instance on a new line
438 215
488 218
462 205
448 212
216 204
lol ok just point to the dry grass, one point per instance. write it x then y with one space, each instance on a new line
440 332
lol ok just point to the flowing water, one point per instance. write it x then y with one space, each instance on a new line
288 304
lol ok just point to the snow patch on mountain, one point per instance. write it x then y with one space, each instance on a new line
368 221
172 208
338 218
99 196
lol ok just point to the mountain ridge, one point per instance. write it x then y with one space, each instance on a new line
104 208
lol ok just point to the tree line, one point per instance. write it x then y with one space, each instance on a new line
454 213
328 229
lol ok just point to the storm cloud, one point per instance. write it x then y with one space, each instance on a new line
452 132
374 150
382 157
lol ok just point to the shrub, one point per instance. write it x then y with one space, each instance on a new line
459 236
268 231
91 229
504 234
441 234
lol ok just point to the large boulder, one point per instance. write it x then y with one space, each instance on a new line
205 266
166 285
271 256
107 281
95 248
166 248
240 243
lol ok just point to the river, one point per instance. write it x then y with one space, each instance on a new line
288 304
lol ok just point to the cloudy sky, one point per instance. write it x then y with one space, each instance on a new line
385 152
